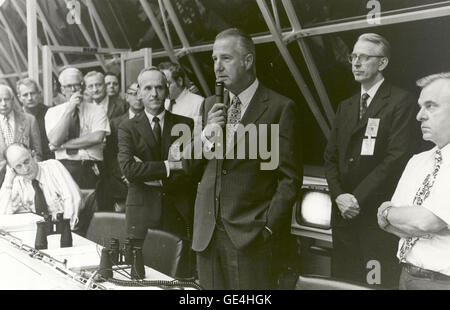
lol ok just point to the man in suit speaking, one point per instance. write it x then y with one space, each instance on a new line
373 136
159 194
239 205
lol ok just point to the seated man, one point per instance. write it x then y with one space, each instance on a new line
40 187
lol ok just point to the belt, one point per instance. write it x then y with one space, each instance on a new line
425 273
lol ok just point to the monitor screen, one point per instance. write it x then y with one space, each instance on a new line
315 209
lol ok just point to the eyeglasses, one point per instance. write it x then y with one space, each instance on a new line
362 57
72 86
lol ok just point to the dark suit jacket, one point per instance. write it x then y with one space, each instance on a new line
145 203
39 113
371 179
116 107
249 197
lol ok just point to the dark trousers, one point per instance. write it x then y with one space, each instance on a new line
359 251
222 266
86 173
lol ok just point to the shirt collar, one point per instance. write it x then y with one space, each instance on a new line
131 114
10 116
151 116
246 95
373 90
182 95
445 151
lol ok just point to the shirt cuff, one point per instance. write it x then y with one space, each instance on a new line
166 163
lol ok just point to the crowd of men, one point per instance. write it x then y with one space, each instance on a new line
233 211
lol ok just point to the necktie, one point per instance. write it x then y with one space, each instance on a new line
40 204
157 132
233 118
363 105
422 193
171 103
8 135
74 129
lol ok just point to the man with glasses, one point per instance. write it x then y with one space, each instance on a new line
76 130
373 135
116 181
31 99
16 126
96 90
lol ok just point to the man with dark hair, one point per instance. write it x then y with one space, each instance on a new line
373 135
112 83
31 99
159 194
241 209
116 182
181 101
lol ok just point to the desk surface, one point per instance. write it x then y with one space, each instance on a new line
19 270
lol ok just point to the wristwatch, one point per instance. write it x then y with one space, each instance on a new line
385 214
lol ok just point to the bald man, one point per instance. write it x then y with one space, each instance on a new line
40 187
16 126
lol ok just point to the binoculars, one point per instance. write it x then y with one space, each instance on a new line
49 227
113 254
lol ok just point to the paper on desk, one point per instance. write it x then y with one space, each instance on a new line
19 222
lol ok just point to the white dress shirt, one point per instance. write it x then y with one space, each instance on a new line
11 123
103 104
428 253
186 104
372 91
61 192
92 118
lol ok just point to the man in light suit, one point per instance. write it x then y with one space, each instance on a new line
239 206
373 135
159 194
16 126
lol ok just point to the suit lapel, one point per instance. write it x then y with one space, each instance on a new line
255 109
378 102
145 130
166 136
110 109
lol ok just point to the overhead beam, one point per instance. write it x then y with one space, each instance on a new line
91 7
293 68
13 39
310 63
32 46
185 43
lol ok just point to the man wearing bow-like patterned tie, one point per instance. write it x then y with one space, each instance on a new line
373 135
419 211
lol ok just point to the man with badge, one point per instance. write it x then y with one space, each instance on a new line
373 135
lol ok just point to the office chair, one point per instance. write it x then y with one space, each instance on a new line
107 225
169 254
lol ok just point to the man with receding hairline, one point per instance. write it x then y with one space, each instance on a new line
241 210
373 135
26 180
419 211
16 126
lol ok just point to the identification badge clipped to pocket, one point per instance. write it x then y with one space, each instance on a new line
368 147
372 127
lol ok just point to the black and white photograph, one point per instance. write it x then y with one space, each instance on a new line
224 150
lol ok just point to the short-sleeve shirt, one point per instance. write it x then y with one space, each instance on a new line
428 253
92 118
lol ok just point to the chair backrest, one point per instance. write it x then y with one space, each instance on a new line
168 254
323 283
107 225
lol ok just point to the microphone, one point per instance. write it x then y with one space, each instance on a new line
219 91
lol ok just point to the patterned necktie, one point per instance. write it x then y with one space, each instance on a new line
8 134
233 118
363 105
40 204
74 129
422 193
